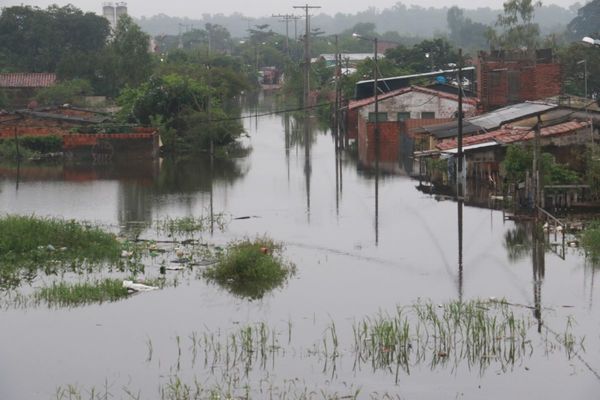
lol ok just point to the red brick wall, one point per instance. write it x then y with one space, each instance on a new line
549 80
352 123
389 134
536 81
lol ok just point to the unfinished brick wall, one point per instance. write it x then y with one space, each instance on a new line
501 82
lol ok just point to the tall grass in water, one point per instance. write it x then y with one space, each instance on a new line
251 268
66 294
590 241
28 243
477 332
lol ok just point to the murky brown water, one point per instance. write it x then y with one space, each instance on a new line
350 265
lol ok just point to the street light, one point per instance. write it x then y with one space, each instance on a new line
592 41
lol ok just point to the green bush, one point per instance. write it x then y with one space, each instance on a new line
70 92
251 268
29 145
29 243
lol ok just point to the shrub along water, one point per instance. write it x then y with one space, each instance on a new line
29 146
251 268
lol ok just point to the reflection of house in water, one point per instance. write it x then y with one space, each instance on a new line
400 112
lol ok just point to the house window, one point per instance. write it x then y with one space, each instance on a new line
381 117
427 115
403 115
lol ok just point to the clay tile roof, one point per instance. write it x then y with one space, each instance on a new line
27 80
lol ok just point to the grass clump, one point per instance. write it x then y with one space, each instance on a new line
28 243
590 240
65 294
186 226
251 268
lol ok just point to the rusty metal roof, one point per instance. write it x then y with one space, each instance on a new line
508 135
27 80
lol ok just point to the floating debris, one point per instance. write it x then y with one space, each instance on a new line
138 287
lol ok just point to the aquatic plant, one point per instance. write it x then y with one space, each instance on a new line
29 243
188 226
590 240
251 268
79 293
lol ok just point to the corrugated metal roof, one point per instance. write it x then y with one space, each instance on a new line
63 117
27 80
473 146
513 112
450 129
491 120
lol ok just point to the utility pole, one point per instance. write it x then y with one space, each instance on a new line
336 125
460 154
536 164
286 19
296 18
306 54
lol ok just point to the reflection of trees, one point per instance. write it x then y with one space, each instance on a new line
189 175
518 242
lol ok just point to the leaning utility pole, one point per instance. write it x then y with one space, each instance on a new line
306 54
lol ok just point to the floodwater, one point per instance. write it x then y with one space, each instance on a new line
361 247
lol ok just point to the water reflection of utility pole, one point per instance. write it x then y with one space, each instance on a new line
286 121
307 166
460 248
212 176
377 156
539 270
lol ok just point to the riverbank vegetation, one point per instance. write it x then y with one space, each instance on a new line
29 147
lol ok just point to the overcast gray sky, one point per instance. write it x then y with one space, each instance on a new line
256 8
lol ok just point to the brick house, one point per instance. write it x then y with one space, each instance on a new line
399 112
505 77
21 87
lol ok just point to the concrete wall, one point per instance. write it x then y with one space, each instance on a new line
417 102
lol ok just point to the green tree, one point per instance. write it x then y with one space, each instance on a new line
70 92
37 40
464 32
518 29
586 23
189 112
127 61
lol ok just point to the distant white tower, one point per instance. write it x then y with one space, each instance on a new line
112 12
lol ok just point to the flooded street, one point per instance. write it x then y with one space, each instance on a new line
358 253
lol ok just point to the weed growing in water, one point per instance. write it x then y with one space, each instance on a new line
74 294
29 243
251 268
188 226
